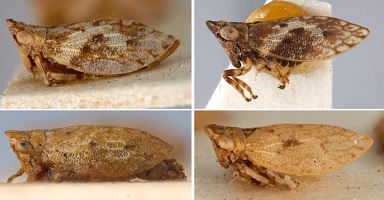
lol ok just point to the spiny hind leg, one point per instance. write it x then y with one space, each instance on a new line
230 76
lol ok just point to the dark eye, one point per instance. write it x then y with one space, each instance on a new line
23 146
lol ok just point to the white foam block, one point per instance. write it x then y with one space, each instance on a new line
165 85
308 89
118 191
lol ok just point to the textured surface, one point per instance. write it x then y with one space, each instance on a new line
306 38
314 82
165 85
305 149
106 46
177 134
87 153
278 46
361 179
113 191
296 149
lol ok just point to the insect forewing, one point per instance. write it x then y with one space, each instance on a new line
111 150
106 46
308 149
306 38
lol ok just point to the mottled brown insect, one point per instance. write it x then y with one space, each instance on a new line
279 45
270 155
101 47
92 153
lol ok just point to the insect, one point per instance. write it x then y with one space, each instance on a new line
92 153
269 155
277 46
91 48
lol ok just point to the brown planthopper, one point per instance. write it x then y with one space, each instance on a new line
270 155
91 48
92 153
277 46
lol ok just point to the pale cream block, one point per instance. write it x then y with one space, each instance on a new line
167 85
308 88
110 191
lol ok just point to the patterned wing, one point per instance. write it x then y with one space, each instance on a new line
107 46
108 152
305 149
306 38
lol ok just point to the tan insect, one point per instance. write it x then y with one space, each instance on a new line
268 155
92 153
279 45
101 47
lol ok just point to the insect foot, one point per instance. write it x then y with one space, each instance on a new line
92 153
272 155
277 46
91 48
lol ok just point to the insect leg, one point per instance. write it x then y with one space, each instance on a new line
27 63
253 173
230 77
283 77
169 169
18 173
54 72
279 180
41 67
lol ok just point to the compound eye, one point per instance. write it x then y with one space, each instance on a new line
226 143
23 37
229 33
23 146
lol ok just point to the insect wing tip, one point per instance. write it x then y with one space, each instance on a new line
369 140
367 32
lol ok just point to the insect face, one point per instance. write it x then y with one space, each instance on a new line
228 143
